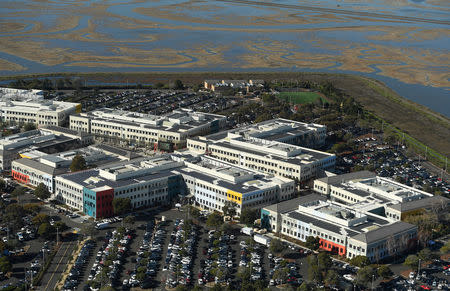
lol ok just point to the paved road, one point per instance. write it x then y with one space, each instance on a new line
57 266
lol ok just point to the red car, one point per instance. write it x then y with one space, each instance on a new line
425 287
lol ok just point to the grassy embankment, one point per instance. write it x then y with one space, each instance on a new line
426 131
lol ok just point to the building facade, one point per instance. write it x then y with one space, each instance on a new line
167 132
213 182
29 106
342 230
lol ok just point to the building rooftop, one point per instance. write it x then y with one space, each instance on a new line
383 232
180 120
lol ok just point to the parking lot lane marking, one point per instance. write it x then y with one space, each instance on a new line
57 266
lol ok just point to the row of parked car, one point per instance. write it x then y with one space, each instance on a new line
109 259
73 279
218 265
181 253
148 257
251 257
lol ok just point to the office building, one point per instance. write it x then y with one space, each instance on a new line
309 135
366 191
167 132
39 167
29 106
213 182
342 229
46 142
145 181
268 156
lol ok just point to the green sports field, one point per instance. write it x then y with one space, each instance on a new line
300 97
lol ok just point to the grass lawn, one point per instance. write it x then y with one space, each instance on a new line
300 97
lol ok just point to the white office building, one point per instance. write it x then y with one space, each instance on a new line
29 106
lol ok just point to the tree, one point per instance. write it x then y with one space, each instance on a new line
365 275
121 205
46 230
445 249
324 261
130 219
42 192
281 274
249 215
214 220
13 215
276 246
312 242
306 286
178 85
5 265
314 273
412 261
360 261
229 208
384 271
332 278
18 191
426 255
78 163
40 219
31 208
29 126
2 184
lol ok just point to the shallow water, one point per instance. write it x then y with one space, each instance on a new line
412 57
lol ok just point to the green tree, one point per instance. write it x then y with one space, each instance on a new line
276 246
229 208
332 278
249 215
2 184
214 220
121 205
42 192
46 230
365 275
31 208
18 191
306 286
78 163
281 274
324 261
130 219
13 215
29 126
384 271
178 85
312 242
412 261
5 265
426 255
314 273
40 219
445 249
360 261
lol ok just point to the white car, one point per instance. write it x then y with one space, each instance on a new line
349 277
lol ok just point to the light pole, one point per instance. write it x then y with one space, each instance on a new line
418 268
57 235
373 276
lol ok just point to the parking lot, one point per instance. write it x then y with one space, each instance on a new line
174 252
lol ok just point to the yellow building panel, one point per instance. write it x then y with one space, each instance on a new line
24 156
234 196
78 108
